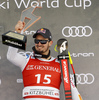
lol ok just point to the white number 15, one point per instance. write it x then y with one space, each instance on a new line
46 77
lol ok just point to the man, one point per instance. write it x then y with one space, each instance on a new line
41 72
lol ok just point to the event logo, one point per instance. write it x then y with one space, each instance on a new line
78 3
54 3
83 78
74 31
49 4
82 54
26 3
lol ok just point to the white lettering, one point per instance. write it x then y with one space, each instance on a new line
65 72
41 67
26 5
19 80
55 2
79 3
7 4
34 3
46 78
2 5
12 42
29 32
22 1
67 4
38 78
82 54
63 46
85 5
48 4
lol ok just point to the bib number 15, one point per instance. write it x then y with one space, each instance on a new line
46 78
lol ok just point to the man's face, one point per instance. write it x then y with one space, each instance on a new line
42 48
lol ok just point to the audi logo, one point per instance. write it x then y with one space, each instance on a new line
26 54
79 31
83 78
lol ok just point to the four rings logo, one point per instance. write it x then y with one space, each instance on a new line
83 78
27 54
79 31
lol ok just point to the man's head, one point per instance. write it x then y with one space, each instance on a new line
44 32
43 40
